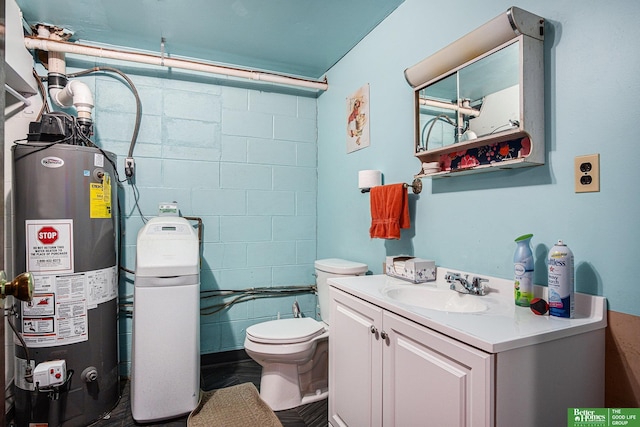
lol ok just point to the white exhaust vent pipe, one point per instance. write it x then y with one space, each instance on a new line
62 92
75 93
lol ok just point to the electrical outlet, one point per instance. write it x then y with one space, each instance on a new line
587 173
129 167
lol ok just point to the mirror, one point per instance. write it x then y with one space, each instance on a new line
479 99
479 102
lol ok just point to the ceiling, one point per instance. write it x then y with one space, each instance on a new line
295 37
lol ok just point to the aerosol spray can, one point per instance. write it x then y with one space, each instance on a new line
523 271
561 281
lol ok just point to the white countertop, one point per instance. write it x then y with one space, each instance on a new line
502 326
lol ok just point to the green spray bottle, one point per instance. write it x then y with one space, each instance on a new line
523 269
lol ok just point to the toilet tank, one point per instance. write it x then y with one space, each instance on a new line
333 267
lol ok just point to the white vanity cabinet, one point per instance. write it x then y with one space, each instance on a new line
355 362
388 371
395 366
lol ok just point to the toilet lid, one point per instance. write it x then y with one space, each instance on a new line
285 331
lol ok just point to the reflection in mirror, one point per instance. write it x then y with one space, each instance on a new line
480 99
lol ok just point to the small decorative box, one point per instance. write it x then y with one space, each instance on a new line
416 270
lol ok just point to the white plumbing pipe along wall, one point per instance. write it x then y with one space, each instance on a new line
449 106
161 61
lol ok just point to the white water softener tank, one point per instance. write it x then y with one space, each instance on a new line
165 353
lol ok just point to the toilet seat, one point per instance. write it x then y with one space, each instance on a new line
285 331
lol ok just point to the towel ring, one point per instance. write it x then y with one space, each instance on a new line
416 185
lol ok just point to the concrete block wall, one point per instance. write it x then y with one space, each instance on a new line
241 159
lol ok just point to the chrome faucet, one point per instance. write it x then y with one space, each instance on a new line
475 287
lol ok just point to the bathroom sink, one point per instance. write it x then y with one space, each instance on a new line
436 299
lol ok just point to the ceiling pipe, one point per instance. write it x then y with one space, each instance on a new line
461 107
32 42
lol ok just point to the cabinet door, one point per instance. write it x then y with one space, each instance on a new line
355 362
433 380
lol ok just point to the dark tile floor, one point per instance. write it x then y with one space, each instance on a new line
220 375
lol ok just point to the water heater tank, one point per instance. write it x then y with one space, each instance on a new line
65 233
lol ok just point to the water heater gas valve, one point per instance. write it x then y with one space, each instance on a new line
51 373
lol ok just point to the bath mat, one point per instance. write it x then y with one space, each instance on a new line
235 406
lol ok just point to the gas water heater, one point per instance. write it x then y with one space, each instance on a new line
65 234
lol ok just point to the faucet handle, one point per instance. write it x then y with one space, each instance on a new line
478 280
478 285
451 276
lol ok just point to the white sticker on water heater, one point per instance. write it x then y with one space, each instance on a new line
49 245
57 314
102 286
41 305
98 160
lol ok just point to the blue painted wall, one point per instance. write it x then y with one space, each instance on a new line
470 222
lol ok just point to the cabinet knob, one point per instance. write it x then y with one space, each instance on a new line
373 329
383 335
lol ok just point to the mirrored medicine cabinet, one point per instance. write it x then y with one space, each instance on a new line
479 102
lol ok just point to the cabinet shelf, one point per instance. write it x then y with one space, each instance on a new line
504 151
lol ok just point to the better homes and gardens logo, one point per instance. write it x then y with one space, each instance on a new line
588 417
603 417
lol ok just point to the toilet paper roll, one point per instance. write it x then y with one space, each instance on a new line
369 179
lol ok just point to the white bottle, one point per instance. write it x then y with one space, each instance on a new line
561 281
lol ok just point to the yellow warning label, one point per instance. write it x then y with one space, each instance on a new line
100 198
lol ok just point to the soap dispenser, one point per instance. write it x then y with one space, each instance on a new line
523 271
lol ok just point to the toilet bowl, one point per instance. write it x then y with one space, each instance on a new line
294 353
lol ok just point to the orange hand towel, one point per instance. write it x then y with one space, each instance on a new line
389 211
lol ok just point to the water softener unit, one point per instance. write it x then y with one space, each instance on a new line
65 234
165 352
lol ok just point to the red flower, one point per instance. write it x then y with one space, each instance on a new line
468 161
445 162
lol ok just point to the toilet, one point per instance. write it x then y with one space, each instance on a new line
294 353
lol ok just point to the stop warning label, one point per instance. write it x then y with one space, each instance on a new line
50 246
47 235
